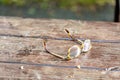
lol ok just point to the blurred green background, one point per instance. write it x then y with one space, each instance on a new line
94 10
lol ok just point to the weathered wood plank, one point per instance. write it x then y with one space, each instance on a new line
15 45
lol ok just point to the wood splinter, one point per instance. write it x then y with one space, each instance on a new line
107 70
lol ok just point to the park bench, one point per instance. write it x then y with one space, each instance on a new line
22 55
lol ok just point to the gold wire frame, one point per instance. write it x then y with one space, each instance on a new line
68 57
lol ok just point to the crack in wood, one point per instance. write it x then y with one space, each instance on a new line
49 37
59 66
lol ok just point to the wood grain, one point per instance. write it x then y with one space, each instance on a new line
21 40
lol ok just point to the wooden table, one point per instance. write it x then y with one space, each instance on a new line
22 55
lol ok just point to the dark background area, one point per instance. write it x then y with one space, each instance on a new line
93 10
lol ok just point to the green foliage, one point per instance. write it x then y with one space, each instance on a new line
5 2
71 4
44 3
11 2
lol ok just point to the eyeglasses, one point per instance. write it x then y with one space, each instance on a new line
75 50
